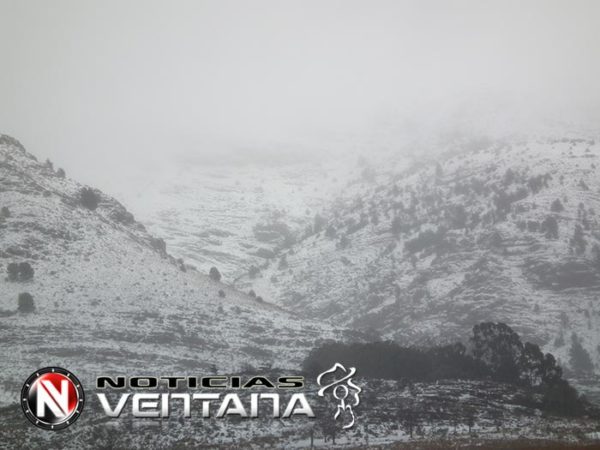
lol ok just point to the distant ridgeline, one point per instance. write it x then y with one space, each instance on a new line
495 353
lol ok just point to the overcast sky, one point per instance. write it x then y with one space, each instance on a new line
96 84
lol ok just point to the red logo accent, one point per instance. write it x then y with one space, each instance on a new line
52 398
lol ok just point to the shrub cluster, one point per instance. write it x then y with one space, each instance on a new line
214 274
19 272
25 303
496 353
89 198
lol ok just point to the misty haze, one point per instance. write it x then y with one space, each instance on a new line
227 187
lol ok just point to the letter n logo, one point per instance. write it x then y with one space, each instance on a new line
52 398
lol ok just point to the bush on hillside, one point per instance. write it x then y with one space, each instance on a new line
557 206
497 354
253 272
25 303
425 239
89 198
25 271
579 358
319 223
12 269
550 227
343 243
214 274
19 272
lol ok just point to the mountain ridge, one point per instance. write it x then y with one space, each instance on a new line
107 295
496 230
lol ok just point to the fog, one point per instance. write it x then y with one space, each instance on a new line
109 88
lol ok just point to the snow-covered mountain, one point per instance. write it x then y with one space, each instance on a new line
235 216
107 295
490 230
223 216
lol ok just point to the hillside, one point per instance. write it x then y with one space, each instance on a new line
219 215
108 297
235 216
503 231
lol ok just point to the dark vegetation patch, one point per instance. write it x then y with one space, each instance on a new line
495 353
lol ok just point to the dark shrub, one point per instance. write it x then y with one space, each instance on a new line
425 239
274 231
265 253
579 358
330 232
501 349
538 182
596 255
562 399
319 224
159 244
374 217
12 269
252 293
550 227
25 271
354 226
5 212
60 173
388 360
557 206
89 198
457 216
214 274
509 177
498 353
19 272
396 226
26 304
253 271
343 243
578 241
123 216
503 199
221 293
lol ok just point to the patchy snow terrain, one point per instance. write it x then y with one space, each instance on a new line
109 297
504 231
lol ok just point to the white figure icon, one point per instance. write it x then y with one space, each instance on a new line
341 390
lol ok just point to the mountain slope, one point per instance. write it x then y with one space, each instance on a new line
108 298
502 231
